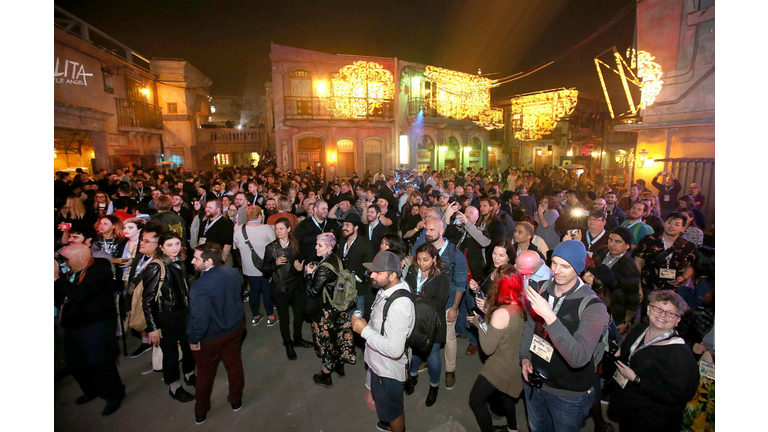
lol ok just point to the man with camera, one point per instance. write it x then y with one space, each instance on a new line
559 344
84 289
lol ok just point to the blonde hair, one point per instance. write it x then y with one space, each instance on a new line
73 208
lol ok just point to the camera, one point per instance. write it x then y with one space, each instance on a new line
573 233
536 379
63 267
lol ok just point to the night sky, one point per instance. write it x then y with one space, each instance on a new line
229 41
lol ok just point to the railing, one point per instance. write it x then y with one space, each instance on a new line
133 113
230 135
327 108
433 108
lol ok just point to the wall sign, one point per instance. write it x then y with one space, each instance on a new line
70 72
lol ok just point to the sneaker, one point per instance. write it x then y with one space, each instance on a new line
246 298
237 405
450 380
200 418
256 320
149 370
141 350
182 395
272 320
383 426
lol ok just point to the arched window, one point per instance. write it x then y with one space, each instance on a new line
373 155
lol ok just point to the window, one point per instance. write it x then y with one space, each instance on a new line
173 108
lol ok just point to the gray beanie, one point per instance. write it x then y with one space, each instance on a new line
574 252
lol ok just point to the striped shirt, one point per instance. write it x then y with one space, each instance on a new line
385 354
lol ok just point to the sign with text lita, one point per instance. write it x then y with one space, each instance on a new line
70 72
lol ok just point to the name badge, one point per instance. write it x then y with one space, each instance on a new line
707 368
666 198
201 240
620 378
125 276
667 273
542 348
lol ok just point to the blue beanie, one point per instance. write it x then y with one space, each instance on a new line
574 252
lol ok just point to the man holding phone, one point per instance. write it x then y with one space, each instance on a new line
559 343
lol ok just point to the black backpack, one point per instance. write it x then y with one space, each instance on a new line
425 325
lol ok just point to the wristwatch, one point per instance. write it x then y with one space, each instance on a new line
637 379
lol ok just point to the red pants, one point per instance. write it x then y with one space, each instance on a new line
227 349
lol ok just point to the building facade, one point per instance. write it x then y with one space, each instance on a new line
677 132
357 114
113 107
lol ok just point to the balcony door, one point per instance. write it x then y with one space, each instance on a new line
309 152
301 92
373 155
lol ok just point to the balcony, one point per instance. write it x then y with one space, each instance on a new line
220 140
434 108
327 108
133 115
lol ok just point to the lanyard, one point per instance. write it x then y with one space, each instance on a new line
556 307
591 241
664 242
612 260
322 229
420 282
209 224
634 348
348 245
443 248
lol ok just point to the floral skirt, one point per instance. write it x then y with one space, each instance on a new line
699 413
334 341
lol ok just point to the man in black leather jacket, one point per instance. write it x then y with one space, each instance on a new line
166 316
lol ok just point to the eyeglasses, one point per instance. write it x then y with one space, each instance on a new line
663 312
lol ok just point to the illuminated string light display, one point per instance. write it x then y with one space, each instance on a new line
535 115
463 96
360 88
650 73
647 79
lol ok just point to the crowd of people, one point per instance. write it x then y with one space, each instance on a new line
571 290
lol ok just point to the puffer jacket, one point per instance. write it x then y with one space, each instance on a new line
174 294
285 278
323 277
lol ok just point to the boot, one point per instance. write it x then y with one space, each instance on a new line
432 396
289 351
340 369
323 379
410 384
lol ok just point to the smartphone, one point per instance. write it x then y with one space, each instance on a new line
477 310
573 233
65 226
612 347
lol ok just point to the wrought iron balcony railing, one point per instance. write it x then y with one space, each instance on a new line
333 108
137 114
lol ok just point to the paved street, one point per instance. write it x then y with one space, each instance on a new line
279 396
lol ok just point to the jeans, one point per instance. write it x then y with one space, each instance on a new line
468 302
548 412
433 365
260 290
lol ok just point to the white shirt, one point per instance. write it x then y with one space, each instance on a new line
385 354
259 236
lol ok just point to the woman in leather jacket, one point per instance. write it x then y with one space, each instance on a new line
286 285
166 307
332 329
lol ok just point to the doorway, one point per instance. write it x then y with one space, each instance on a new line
309 151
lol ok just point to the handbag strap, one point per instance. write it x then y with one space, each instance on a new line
248 242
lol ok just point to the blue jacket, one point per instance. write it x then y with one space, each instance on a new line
215 305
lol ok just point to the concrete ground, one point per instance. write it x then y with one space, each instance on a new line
279 395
